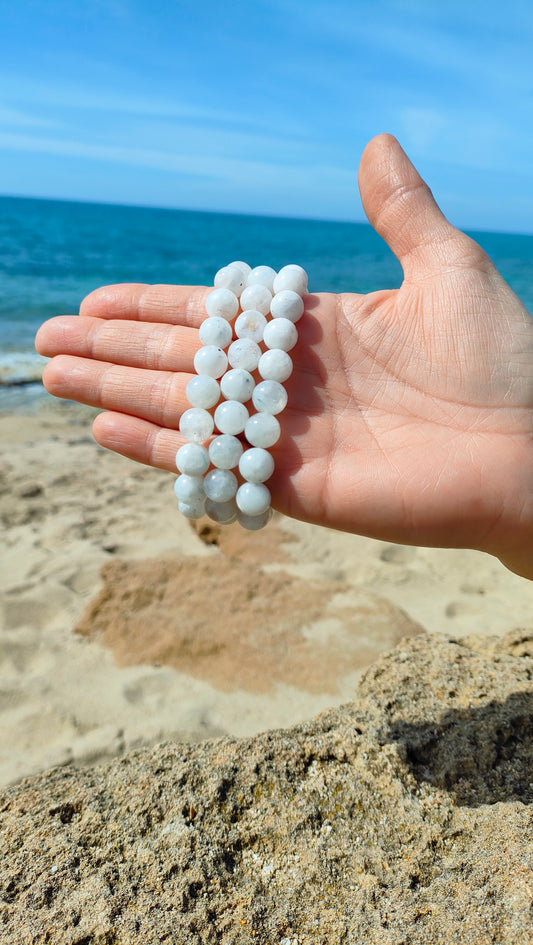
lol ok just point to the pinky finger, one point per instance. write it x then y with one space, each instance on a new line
140 440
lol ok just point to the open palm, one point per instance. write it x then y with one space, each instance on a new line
410 412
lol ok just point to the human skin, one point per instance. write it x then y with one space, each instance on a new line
410 414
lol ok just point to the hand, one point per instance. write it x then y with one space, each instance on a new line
410 414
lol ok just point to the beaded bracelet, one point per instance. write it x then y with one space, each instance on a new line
270 304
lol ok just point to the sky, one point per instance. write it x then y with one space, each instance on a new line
266 106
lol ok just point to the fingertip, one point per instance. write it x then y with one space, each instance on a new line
112 301
54 375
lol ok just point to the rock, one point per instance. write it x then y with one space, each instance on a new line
401 819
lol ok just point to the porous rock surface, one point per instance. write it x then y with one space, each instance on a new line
402 818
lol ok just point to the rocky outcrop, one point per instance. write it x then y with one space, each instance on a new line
404 817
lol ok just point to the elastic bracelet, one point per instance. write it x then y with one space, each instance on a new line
240 371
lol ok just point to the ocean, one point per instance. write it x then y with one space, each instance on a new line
52 253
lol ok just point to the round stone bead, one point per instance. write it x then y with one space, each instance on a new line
189 488
257 297
232 278
256 465
262 429
275 365
225 513
287 304
269 397
192 459
237 385
220 485
280 333
192 509
291 277
244 354
216 331
242 265
253 523
203 391
225 451
231 417
250 324
262 275
253 498
221 303
211 360
196 425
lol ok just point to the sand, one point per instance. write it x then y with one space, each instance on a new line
122 624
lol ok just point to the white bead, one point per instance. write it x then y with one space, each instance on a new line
250 324
222 303
196 424
275 365
269 397
256 465
189 488
192 459
287 304
192 509
237 385
257 297
216 331
225 451
262 429
220 485
225 513
253 523
245 354
210 360
280 333
242 265
203 391
231 417
291 277
232 278
253 498
262 275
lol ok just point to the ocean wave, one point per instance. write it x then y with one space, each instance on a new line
18 368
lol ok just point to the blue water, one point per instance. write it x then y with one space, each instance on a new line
52 253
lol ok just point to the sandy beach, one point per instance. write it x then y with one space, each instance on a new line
122 624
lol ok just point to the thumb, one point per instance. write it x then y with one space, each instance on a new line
402 209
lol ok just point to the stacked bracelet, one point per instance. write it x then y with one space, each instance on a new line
237 377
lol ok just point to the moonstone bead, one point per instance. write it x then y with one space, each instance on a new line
245 354
192 459
231 417
225 513
280 333
216 331
275 365
192 509
189 488
253 498
220 485
231 277
225 451
287 304
262 429
262 275
257 297
242 265
196 425
211 360
203 391
237 385
291 277
253 523
256 465
250 324
222 303
269 397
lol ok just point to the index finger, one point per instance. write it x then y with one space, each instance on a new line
170 304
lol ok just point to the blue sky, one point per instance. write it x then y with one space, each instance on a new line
265 107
